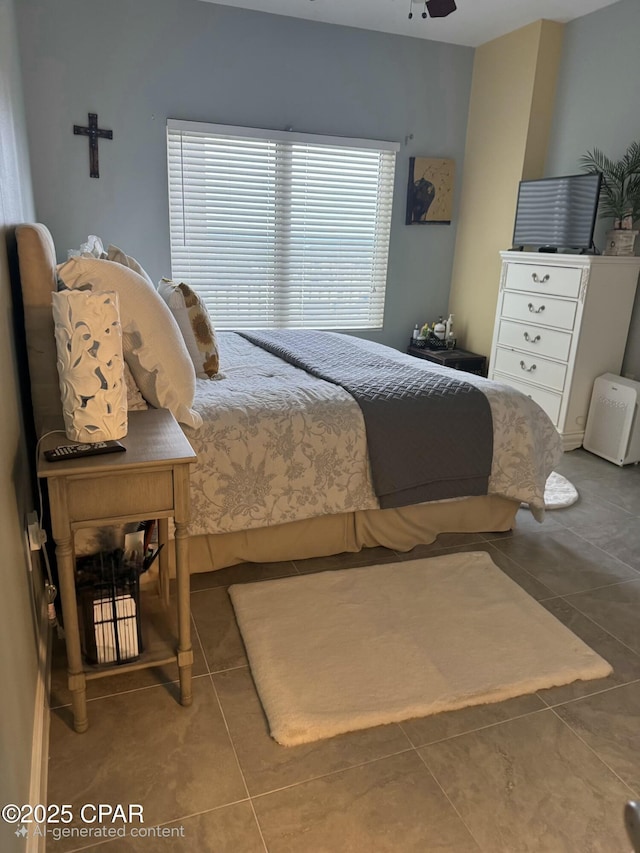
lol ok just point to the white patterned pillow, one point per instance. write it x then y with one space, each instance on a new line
194 322
152 342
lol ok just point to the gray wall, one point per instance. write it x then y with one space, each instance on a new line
598 106
18 658
137 62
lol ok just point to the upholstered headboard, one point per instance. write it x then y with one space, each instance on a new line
37 260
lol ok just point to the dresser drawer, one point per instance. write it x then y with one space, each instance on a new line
531 368
547 400
119 495
558 281
544 310
535 339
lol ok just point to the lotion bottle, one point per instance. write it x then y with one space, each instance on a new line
449 327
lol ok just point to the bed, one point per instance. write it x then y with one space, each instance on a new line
284 468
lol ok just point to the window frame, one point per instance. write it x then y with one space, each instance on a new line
372 253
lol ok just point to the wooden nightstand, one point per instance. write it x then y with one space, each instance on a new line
149 480
459 359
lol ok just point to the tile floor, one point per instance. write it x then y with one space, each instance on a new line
547 773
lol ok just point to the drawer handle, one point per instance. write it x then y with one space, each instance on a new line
534 310
543 280
523 366
531 340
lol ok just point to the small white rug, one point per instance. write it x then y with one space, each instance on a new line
559 492
339 651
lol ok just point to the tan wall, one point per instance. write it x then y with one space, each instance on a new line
512 100
18 656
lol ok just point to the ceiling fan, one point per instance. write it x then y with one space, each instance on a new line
435 8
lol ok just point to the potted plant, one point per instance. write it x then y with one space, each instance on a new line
619 195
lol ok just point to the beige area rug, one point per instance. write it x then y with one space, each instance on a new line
338 651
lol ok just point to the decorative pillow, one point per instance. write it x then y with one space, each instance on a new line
135 400
118 256
194 322
152 343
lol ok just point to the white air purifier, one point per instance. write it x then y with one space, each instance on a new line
613 423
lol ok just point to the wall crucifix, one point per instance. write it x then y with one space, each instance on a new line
94 133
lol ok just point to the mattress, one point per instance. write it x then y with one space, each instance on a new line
279 445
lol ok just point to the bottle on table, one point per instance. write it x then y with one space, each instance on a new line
449 327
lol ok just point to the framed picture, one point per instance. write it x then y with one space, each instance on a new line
430 190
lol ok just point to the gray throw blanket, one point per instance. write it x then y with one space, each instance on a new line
429 433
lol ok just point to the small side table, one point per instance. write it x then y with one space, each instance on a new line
459 359
149 480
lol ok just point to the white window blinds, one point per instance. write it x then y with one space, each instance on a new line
277 229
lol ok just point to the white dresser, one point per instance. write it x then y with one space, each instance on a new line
561 321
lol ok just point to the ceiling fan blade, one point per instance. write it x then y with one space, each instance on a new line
440 8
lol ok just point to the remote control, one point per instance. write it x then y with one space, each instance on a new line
72 451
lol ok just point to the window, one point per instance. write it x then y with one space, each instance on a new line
277 229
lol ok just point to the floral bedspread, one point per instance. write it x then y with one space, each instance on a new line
278 445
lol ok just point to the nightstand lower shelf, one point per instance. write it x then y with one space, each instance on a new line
159 634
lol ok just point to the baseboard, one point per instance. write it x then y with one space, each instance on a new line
40 739
572 440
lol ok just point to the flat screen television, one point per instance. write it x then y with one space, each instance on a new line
557 213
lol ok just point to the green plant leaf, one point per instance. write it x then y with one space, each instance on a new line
620 191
